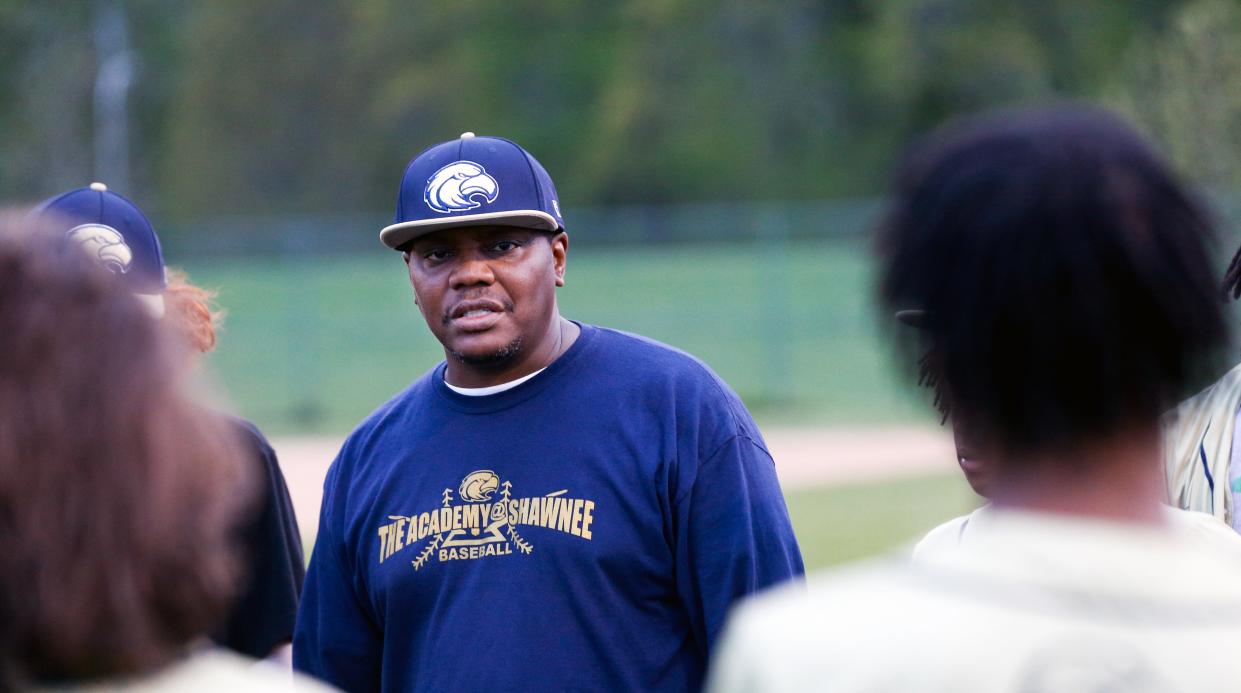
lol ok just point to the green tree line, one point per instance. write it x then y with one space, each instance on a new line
251 107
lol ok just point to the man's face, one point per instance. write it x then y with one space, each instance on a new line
488 293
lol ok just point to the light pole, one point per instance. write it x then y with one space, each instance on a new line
112 82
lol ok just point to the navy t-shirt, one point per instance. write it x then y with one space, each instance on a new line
273 566
585 530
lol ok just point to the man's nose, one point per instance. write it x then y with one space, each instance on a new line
473 271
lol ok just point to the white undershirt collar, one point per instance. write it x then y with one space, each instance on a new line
491 390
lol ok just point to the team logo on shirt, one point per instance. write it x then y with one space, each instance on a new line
483 522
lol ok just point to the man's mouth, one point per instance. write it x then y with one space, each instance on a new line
476 314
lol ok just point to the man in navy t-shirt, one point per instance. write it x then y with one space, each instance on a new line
556 506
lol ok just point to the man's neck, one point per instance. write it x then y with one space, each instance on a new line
1118 479
560 335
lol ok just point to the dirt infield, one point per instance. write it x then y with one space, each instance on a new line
804 457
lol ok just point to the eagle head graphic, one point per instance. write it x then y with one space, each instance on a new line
460 186
105 244
478 486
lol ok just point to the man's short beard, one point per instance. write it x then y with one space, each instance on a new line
499 357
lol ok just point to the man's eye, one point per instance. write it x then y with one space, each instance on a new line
438 255
504 246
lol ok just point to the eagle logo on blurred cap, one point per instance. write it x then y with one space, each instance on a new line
105 244
460 186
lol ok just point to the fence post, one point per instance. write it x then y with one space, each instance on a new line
302 313
775 292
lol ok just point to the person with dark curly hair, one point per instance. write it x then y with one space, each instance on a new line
1069 299
952 534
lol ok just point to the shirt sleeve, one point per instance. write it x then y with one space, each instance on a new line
263 614
336 639
733 535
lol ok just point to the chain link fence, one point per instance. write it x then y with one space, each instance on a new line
776 297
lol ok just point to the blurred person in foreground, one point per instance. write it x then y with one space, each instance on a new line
556 506
1067 285
115 232
118 499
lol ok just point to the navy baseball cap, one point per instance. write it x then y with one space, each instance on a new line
473 181
117 234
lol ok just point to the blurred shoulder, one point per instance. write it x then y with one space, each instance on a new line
945 537
834 628
826 607
213 670
948 536
249 434
224 671
1206 529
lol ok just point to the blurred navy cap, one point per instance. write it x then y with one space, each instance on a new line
117 234
473 181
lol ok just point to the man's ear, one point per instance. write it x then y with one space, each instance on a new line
405 257
560 252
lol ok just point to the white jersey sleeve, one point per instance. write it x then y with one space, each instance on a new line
950 535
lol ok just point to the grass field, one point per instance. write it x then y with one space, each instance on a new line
843 523
314 344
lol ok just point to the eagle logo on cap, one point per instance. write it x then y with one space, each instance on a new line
105 244
460 186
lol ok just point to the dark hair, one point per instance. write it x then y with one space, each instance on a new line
117 494
1065 276
1232 278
